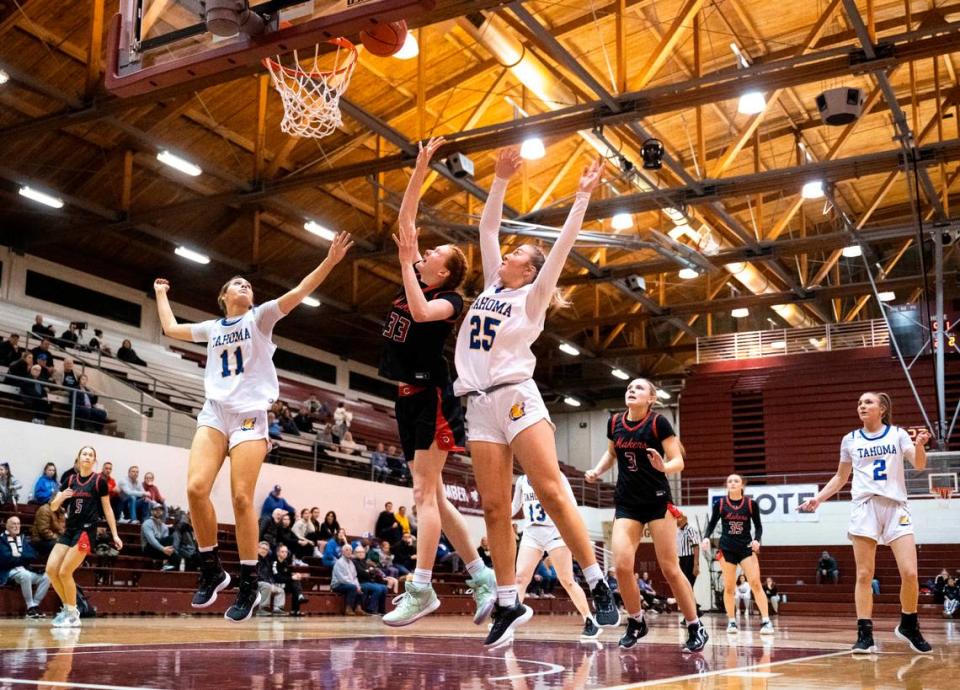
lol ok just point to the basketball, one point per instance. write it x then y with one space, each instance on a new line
384 40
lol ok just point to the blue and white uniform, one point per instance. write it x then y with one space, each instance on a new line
880 510
494 360
240 381
539 531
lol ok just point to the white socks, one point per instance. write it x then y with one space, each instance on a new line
593 574
507 596
422 576
475 567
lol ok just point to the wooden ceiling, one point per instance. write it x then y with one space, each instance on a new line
625 69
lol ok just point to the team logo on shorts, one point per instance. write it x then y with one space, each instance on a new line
904 520
249 424
517 410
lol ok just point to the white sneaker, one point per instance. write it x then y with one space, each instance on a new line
732 628
122 521
298 563
416 602
766 628
58 618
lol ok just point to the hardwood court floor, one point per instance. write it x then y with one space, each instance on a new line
446 652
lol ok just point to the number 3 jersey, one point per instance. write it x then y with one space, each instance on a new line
533 513
240 374
413 351
638 482
877 463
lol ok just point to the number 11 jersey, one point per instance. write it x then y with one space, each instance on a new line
240 374
877 463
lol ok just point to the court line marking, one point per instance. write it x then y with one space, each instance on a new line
721 672
67 684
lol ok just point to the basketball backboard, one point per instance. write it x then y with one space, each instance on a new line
156 44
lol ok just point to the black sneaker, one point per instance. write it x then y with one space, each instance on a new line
211 582
248 598
635 630
913 637
505 619
35 612
608 616
590 630
864 643
696 637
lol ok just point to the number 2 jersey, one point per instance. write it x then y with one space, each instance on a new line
533 513
240 374
84 509
877 463
638 482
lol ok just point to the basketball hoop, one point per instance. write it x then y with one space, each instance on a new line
943 494
311 97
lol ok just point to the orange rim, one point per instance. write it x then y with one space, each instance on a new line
340 42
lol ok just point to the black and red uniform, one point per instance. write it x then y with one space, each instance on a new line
427 410
643 492
735 518
84 509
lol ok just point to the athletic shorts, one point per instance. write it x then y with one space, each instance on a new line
645 512
542 538
501 414
428 415
881 519
81 537
735 556
237 427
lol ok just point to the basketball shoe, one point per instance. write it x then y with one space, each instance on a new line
416 602
505 620
483 587
635 630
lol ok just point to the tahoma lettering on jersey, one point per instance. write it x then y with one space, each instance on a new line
877 463
490 303
231 337
874 451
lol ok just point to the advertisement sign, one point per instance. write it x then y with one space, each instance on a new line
778 502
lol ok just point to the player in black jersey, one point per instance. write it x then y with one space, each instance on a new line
87 498
429 415
646 450
739 548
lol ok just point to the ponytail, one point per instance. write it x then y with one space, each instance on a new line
537 259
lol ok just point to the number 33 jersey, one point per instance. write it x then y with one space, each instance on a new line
240 374
877 462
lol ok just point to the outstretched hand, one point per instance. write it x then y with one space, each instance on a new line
591 476
161 286
339 247
923 437
425 153
591 177
809 506
656 460
407 246
508 163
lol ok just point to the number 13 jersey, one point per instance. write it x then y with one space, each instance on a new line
240 374
877 463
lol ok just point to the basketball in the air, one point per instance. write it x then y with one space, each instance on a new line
384 39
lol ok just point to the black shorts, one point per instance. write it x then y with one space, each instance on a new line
645 512
428 415
82 537
734 556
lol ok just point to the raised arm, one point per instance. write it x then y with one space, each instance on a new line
606 462
171 329
546 280
508 163
916 454
407 219
338 249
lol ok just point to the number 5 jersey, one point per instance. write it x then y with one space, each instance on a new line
877 463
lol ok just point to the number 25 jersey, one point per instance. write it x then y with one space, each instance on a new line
877 463
240 374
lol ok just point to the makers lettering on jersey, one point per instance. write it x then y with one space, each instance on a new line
637 480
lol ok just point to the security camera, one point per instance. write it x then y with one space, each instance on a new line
460 166
840 106
636 283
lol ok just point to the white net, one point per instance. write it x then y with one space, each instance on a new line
311 96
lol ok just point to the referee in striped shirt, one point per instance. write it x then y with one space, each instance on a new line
688 548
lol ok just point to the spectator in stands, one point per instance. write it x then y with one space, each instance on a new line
20 369
274 501
329 528
133 495
303 420
413 520
42 329
10 488
614 587
126 353
388 563
87 409
446 554
274 430
484 552
387 526
875 585
303 527
48 525
405 552
151 493
742 594
342 419
398 465
300 548
33 394
827 568
16 554
374 590
96 343
773 596
348 445
318 408
70 337
938 584
334 548
156 540
344 581
270 528
325 435
544 579
43 357
10 350
69 472
951 597
271 592
185 541
647 591
313 531
116 498
289 579
402 520
67 376
46 486
378 461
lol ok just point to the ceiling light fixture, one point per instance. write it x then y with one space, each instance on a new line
852 252
532 149
569 349
663 394
620 374
178 163
41 197
887 296
311 301
812 190
751 103
622 221
4 77
571 401
688 273
314 228
740 312
410 48
191 255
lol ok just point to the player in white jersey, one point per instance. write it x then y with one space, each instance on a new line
875 454
505 413
541 534
240 384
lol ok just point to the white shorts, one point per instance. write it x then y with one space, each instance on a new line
500 415
237 427
881 519
541 538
